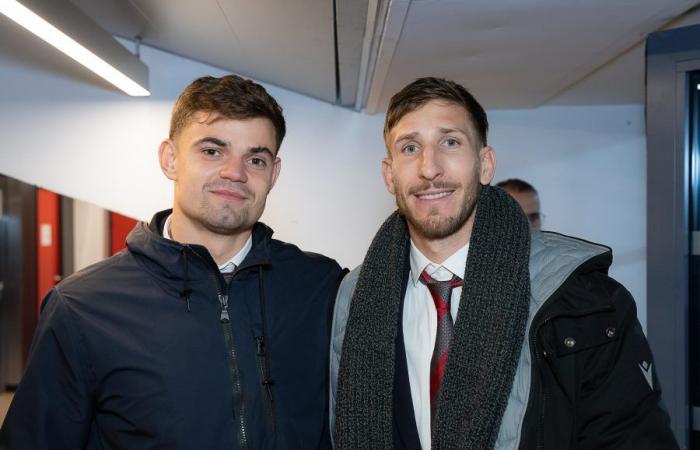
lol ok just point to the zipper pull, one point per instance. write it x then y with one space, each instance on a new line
223 299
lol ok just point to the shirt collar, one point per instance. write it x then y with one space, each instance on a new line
455 264
228 266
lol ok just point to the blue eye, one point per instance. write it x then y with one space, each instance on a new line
451 142
410 148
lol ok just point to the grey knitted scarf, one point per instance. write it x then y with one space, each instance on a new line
486 344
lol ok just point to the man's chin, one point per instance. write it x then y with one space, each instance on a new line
228 226
435 227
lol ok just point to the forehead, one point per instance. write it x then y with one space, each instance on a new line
433 114
256 129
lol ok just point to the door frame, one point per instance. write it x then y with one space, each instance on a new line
670 56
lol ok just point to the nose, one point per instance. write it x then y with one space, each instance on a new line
234 169
430 164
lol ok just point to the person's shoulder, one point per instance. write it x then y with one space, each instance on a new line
291 254
578 269
557 261
554 256
347 286
97 276
343 300
548 247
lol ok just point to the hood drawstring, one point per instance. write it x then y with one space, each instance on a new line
186 291
263 352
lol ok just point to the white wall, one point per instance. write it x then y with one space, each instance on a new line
90 234
589 166
94 144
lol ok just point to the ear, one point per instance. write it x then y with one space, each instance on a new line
167 157
388 175
276 167
487 158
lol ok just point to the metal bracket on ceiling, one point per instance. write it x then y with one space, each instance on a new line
137 46
389 21
368 51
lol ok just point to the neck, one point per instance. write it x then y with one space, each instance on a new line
438 250
221 247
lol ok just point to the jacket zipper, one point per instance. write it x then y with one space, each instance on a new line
237 391
233 368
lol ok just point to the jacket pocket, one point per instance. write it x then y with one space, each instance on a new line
575 334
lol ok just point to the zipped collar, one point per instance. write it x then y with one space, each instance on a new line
165 259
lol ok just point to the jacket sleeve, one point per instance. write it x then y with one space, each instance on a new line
52 407
620 398
340 317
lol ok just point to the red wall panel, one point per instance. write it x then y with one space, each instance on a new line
120 227
48 243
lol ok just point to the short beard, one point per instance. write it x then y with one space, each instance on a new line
227 221
228 224
439 228
436 227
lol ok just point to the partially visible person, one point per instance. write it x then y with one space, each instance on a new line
205 333
528 199
464 329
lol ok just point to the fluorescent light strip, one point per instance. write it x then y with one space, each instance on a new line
32 22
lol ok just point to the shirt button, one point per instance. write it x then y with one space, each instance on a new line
610 332
570 342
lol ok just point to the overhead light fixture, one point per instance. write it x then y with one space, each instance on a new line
60 40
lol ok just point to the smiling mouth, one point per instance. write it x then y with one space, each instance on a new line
433 195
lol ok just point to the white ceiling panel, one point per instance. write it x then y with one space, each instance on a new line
286 43
510 53
517 54
621 80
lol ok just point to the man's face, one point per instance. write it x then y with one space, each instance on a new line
223 170
434 169
530 203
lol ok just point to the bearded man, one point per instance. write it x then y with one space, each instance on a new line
464 330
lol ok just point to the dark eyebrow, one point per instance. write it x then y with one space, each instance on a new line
212 140
261 149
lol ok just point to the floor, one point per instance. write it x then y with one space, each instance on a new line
5 399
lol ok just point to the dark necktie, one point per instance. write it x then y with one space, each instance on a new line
441 291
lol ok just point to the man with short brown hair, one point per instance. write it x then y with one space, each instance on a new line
205 333
463 330
527 197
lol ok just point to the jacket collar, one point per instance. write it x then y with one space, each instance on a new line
164 256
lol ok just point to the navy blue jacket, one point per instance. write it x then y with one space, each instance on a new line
152 349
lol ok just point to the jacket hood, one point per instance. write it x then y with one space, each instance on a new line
557 260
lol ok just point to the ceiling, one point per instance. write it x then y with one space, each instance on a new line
358 53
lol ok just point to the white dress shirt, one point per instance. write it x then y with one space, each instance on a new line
228 266
420 328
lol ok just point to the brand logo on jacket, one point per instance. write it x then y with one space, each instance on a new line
648 373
